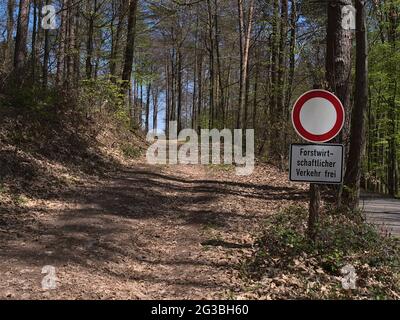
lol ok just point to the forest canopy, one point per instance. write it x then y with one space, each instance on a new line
208 64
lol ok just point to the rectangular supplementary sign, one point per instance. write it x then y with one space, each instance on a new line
316 163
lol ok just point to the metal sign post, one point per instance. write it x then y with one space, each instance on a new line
318 116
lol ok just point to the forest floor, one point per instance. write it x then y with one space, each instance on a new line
77 197
143 232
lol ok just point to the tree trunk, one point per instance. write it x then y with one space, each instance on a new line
357 138
71 45
130 45
211 65
393 172
61 49
293 21
10 29
219 110
282 59
35 29
255 94
200 92
179 71
89 41
77 43
292 57
244 42
168 96
45 56
274 130
338 67
155 108
241 62
148 92
338 60
195 66
116 40
22 34
314 211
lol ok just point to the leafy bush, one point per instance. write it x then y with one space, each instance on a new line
131 151
98 95
30 98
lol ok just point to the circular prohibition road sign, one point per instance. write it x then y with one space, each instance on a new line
318 116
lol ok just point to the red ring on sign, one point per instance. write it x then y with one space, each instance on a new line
340 116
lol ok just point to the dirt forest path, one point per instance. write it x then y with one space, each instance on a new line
144 233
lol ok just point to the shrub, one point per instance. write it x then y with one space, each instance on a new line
98 95
130 151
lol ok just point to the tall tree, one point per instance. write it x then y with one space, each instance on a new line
20 51
292 54
10 29
338 59
357 138
116 38
244 44
130 45
148 99
92 10
393 165
46 54
274 112
338 64
62 36
282 58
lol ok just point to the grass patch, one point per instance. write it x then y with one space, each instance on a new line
130 151
222 167
20 200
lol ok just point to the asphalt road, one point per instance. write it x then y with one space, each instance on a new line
384 212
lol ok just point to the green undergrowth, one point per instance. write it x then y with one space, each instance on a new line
131 151
314 269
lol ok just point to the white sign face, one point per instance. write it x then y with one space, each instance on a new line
316 163
312 110
318 116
